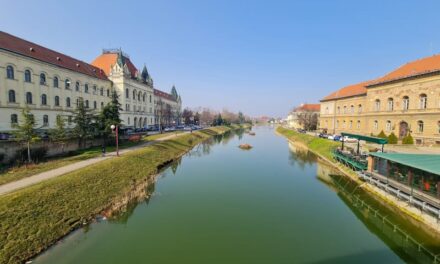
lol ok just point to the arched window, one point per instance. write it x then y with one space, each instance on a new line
14 119
390 104
57 100
359 108
420 126
67 84
68 102
377 105
94 89
102 105
42 79
345 109
358 125
423 101
43 99
150 98
101 91
135 122
9 72
11 96
77 86
352 109
375 125
339 110
45 120
337 124
350 125
326 110
139 96
87 103
55 82
128 121
343 124
134 94
86 88
388 126
27 76
108 93
127 93
95 105
143 97
28 98
405 103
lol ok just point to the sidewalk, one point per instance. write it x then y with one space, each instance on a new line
31 180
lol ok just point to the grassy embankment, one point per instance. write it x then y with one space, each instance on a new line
17 173
35 217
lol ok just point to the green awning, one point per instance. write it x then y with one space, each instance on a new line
425 162
366 138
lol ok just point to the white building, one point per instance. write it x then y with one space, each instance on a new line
48 82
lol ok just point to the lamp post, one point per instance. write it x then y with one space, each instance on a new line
115 128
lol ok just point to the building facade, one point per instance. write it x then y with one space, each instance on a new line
404 101
304 116
51 83
48 82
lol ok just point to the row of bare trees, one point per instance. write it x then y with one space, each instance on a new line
207 116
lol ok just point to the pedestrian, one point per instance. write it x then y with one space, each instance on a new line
103 151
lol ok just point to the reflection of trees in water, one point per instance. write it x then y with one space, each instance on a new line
175 164
204 148
239 133
301 156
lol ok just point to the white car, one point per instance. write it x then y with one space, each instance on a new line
348 139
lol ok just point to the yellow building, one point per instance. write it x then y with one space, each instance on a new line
406 100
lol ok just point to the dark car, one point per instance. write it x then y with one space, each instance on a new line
323 135
337 138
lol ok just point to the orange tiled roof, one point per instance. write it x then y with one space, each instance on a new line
163 95
308 107
348 91
26 48
412 69
106 60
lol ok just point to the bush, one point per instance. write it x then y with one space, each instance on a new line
381 135
37 155
408 139
392 139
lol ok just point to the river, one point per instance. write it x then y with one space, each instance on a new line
275 203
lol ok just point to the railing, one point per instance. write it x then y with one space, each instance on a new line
351 161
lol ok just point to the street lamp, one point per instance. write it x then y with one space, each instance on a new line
115 128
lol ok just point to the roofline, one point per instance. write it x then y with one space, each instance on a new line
344 97
52 64
404 78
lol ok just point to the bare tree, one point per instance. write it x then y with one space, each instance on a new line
308 119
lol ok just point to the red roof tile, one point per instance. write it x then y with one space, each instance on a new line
164 95
412 69
308 107
348 91
106 60
23 47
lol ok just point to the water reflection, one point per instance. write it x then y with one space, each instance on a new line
300 156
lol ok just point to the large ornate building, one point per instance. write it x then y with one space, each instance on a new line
406 100
50 83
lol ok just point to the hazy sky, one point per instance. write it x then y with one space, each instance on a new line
261 57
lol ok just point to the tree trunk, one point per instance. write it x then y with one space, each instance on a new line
29 151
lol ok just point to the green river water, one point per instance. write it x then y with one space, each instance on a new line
275 203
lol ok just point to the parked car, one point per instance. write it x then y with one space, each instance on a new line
5 136
337 137
322 135
301 131
348 139
331 137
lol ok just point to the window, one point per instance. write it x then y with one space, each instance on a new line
438 127
11 95
45 120
68 102
139 96
352 109
134 94
150 98
43 99
94 89
108 93
9 72
377 105
390 104
345 109
326 110
67 84
359 108
388 126
337 124
95 105
343 124
143 97
420 126
102 105
57 100
128 121
350 124
405 103
339 110
42 79
101 91
28 98
77 86
55 82
376 125
14 119
127 93
87 103
27 76
358 125
423 101
86 88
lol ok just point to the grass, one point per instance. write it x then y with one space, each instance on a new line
35 217
321 146
17 173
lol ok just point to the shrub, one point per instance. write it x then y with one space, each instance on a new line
392 139
408 139
37 155
381 135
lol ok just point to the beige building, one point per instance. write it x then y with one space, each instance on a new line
48 82
406 100
168 107
310 112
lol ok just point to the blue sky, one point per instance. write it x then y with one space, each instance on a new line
261 57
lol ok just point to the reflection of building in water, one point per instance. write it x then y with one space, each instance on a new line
300 155
324 170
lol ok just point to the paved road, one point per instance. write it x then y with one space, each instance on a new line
28 181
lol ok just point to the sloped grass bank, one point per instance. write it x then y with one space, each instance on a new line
36 217
321 146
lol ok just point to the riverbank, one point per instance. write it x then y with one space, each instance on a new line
36 217
323 148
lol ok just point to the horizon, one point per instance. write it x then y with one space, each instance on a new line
240 56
